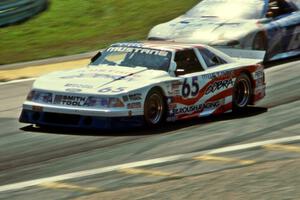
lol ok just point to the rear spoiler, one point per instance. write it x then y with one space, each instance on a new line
242 54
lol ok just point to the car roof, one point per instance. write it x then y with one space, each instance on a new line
159 45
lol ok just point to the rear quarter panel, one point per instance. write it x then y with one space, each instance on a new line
213 95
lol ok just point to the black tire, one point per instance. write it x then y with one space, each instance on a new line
154 108
260 42
242 93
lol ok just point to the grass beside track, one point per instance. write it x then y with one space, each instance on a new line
75 26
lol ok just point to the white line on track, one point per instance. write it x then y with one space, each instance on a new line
17 81
86 173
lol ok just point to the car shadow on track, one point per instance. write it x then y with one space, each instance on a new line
144 131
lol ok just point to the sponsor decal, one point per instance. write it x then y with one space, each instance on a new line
125 98
93 75
260 82
188 109
174 88
134 105
218 85
138 50
73 90
225 74
70 100
258 74
132 97
82 86
213 105
113 71
197 107
176 85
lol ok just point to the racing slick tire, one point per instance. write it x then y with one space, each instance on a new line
260 42
242 92
154 108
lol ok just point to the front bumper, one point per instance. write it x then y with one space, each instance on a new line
39 114
79 121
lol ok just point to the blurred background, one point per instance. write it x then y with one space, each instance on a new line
37 29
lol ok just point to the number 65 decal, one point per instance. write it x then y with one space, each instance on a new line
192 89
116 90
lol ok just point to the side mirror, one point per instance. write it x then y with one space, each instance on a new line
98 55
172 69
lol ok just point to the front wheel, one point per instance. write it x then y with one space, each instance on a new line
154 108
242 92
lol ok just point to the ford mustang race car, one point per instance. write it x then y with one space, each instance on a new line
271 25
145 82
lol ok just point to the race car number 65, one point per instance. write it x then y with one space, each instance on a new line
188 89
116 90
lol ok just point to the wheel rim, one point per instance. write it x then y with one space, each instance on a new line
154 109
242 93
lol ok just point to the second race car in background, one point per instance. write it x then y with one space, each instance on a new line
271 25
132 83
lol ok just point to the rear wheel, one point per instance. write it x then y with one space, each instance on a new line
242 92
154 108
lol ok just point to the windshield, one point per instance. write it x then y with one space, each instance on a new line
135 57
229 9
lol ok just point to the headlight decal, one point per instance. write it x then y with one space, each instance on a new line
40 97
104 102
115 103
97 101
76 101
30 95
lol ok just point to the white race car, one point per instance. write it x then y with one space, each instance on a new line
130 84
270 25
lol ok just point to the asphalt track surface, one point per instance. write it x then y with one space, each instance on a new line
267 170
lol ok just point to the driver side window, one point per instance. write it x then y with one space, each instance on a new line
210 58
187 62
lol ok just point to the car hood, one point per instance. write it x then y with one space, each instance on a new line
206 30
102 80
